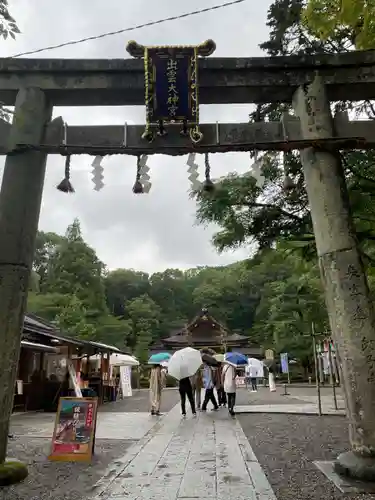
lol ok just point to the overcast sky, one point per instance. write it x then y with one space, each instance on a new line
155 231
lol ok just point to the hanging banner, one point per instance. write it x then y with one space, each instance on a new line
74 380
74 433
284 362
125 380
171 86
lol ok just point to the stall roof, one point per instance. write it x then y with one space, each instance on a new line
37 347
39 331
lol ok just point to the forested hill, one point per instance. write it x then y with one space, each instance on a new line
272 297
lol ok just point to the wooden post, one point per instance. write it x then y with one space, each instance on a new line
20 200
317 374
347 295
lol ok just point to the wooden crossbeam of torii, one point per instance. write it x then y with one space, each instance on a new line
284 135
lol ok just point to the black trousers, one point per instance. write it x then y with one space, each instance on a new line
186 390
222 397
231 400
209 396
253 383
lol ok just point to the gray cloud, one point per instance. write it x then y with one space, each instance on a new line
154 231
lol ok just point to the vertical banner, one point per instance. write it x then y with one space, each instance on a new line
284 362
125 380
74 380
171 86
74 433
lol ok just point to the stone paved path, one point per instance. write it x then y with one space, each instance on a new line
207 457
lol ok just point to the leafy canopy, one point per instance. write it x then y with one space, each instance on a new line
325 17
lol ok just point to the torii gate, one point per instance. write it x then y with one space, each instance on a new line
310 83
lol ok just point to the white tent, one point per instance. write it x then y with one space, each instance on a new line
118 359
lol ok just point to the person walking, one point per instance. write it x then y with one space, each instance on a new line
156 386
208 383
253 378
221 396
229 382
197 385
185 389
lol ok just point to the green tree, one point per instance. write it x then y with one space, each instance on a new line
74 269
72 319
145 318
46 247
144 339
8 27
325 17
47 305
122 285
246 213
113 331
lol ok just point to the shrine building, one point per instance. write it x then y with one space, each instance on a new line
205 331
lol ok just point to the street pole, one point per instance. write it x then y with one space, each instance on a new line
316 370
332 376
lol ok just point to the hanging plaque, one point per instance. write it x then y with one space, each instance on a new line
171 87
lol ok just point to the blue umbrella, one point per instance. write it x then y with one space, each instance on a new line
158 358
235 359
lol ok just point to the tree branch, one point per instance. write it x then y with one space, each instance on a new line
270 206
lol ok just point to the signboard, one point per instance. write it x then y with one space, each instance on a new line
284 362
171 86
74 433
125 381
75 382
269 354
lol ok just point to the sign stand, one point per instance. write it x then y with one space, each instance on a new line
75 428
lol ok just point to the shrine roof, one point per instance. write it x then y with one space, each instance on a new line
186 339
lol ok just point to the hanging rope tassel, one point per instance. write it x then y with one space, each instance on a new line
208 185
138 188
65 185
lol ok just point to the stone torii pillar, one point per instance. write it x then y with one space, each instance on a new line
349 305
20 201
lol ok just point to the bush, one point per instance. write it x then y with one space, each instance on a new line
11 472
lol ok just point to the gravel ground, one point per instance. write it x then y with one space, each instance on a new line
286 446
140 402
58 480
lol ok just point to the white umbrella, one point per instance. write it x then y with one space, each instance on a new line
184 363
118 359
123 360
257 366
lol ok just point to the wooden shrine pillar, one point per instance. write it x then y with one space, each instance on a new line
348 300
20 201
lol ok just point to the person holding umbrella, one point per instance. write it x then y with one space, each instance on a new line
208 384
185 389
184 364
221 396
197 385
229 382
156 386
233 361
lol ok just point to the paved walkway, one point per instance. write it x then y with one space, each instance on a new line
111 425
207 457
